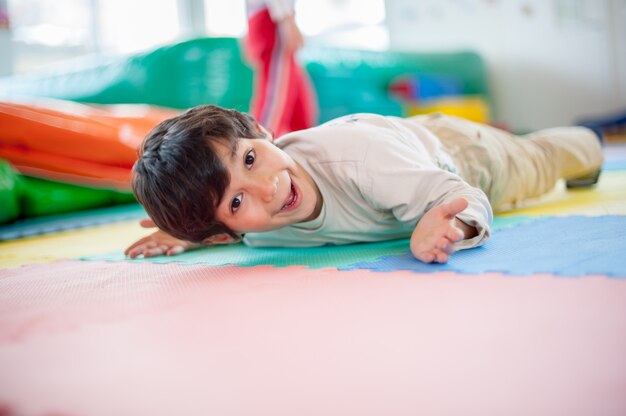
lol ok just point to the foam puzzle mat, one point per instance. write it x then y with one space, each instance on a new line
533 322
56 223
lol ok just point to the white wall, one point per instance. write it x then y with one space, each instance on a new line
551 62
6 52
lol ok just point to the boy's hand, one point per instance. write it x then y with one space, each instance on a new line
435 234
157 244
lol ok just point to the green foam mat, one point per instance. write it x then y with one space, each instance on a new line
240 254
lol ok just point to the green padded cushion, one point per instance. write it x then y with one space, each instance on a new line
214 70
44 197
183 75
350 81
9 193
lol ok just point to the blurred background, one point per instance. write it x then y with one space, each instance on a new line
550 62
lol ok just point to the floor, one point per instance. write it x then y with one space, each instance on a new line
534 322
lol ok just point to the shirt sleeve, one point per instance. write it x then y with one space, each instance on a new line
408 183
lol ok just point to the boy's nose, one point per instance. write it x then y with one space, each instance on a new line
268 188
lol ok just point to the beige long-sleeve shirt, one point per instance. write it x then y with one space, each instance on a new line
377 176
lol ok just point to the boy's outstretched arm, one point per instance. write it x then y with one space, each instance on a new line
158 243
436 232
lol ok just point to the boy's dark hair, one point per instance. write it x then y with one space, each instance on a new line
179 178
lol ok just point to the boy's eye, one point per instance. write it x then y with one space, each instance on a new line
250 157
234 205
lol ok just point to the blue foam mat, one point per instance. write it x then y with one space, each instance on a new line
566 246
56 223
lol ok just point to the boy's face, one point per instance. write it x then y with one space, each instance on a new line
268 189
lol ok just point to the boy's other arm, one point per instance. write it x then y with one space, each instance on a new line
158 243
436 232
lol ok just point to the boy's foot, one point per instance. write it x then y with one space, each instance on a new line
585 181
590 178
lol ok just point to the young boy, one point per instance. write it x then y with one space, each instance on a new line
215 176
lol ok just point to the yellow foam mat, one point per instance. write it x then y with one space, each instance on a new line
607 198
70 244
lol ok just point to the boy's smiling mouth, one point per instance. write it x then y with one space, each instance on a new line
293 199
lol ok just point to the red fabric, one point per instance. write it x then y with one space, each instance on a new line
283 98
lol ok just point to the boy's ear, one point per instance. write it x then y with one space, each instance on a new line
269 134
221 238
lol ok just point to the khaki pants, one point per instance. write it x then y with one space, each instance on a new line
509 168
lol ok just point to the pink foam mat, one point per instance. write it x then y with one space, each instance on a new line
97 338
